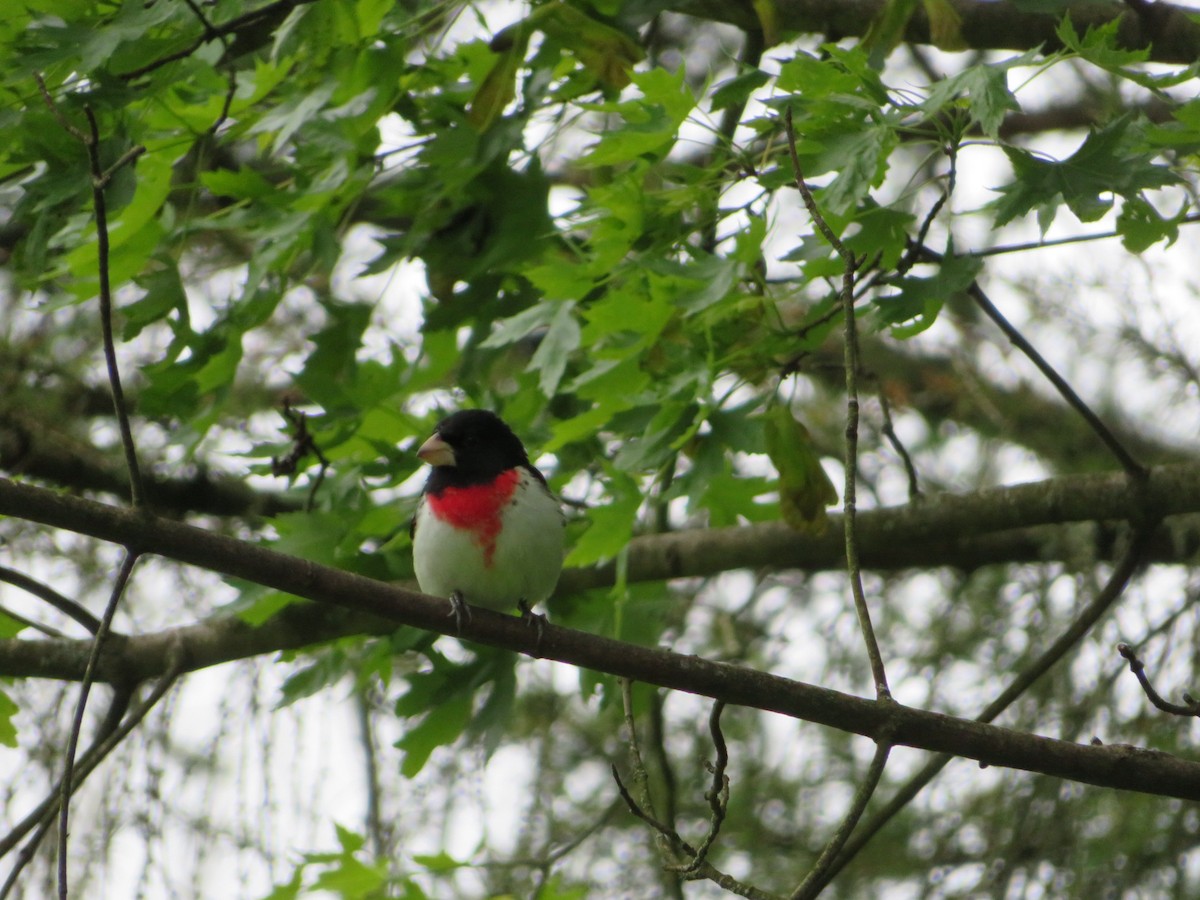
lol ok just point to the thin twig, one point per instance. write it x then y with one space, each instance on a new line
42 817
889 432
656 738
1083 623
706 870
717 795
672 836
748 58
375 827
99 179
1131 466
68 127
817 880
912 252
849 499
64 605
303 444
1189 219
85 687
1190 706
672 844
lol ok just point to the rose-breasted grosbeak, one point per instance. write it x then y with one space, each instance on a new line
487 530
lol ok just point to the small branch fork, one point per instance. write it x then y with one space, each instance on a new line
694 864
1190 706
303 444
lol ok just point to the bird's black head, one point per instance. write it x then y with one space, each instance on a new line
471 447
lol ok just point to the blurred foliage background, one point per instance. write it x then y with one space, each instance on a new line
584 216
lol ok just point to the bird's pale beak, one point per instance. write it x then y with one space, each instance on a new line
436 452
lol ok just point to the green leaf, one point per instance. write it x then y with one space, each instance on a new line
500 85
1141 226
864 159
1112 160
917 304
887 28
330 369
350 841
439 727
164 294
804 487
265 607
8 729
737 90
330 667
609 526
1099 45
241 184
651 122
882 233
10 627
989 99
555 349
767 13
289 890
607 52
516 328
438 862
945 25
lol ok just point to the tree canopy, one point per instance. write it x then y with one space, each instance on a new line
858 339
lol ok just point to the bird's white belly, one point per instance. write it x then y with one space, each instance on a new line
525 562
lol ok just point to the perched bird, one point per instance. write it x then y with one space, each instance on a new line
487 530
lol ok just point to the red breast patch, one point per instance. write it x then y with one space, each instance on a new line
477 508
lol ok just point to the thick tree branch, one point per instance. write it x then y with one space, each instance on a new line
1124 767
1164 28
962 531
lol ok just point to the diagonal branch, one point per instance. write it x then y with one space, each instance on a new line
1134 468
1116 766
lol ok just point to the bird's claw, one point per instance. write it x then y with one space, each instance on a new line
460 612
533 620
